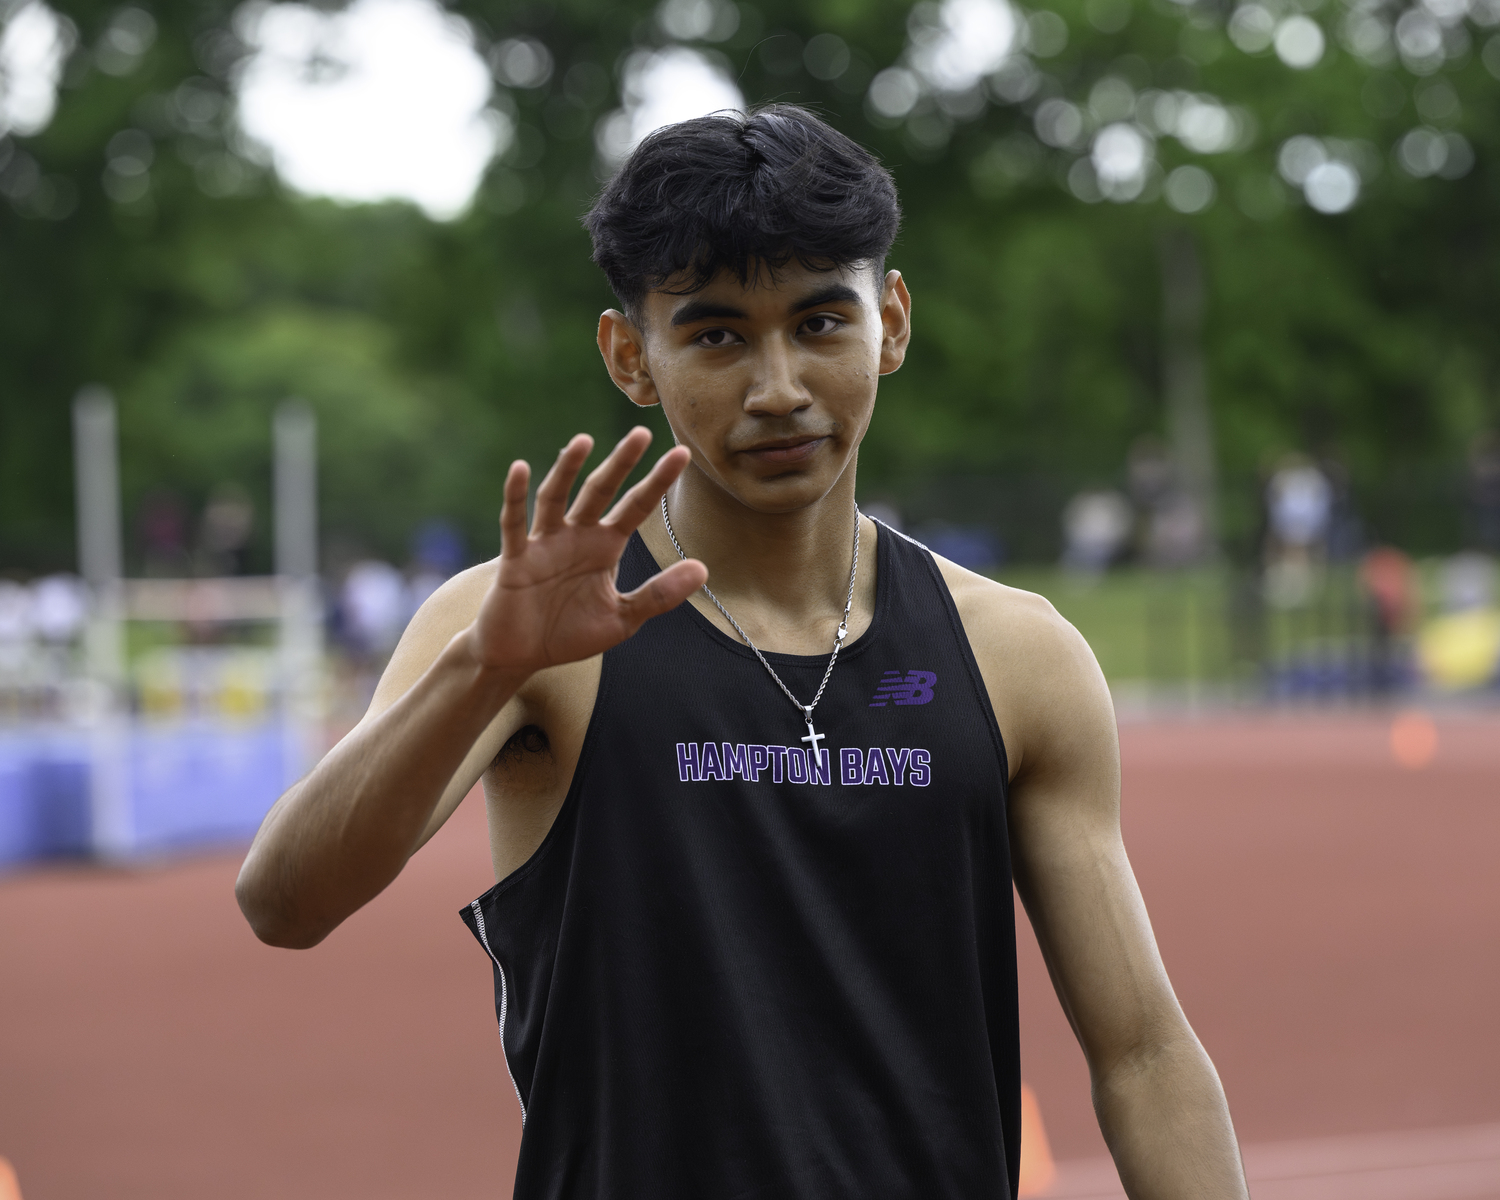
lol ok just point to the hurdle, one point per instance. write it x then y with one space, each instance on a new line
109 783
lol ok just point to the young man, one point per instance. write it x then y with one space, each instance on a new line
753 935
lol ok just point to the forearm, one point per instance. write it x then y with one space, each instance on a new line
340 836
1166 1120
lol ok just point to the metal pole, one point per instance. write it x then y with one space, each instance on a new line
97 483
295 436
1186 384
96 477
295 431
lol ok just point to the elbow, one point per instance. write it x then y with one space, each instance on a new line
1168 1049
284 936
271 921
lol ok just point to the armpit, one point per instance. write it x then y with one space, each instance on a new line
528 741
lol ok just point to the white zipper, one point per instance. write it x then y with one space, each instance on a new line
504 1002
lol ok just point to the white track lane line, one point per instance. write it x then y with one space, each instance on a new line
1426 1164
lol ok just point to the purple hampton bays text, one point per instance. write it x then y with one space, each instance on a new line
699 761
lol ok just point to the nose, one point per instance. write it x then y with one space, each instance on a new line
775 389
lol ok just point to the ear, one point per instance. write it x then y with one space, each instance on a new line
895 322
624 349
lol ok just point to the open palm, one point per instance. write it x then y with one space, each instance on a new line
554 598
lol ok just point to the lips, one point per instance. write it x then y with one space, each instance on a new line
786 450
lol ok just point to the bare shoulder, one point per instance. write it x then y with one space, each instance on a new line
447 613
443 615
1009 625
1043 680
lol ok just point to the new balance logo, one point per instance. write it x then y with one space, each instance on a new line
915 687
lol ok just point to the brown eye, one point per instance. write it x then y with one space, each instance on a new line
816 325
715 337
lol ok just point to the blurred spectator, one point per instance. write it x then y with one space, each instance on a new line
1299 502
970 546
224 534
33 675
419 587
163 532
60 605
1461 648
1176 533
1172 531
1096 526
1468 582
1390 582
438 546
437 554
1299 511
15 612
1484 490
374 607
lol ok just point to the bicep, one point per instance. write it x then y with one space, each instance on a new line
1071 868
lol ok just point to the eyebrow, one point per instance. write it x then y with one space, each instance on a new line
837 293
703 310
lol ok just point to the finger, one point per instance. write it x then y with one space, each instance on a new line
663 592
605 479
552 495
636 504
513 512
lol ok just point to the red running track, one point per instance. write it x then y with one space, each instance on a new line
1331 921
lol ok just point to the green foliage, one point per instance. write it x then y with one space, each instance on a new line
200 412
436 353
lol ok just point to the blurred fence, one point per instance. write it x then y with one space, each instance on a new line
206 724
1220 634
146 716
139 716
183 785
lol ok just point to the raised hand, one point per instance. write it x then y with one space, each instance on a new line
554 598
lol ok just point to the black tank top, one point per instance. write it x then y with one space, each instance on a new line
737 971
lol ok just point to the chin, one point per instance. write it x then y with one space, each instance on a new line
785 493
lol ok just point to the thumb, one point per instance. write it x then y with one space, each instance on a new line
664 591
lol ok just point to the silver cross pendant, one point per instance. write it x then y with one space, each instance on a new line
813 738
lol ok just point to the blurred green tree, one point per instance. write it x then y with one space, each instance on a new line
1333 165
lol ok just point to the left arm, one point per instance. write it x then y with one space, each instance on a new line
1158 1098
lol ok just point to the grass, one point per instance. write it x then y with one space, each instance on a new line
1205 624
1142 625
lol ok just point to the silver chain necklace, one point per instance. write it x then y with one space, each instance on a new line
813 736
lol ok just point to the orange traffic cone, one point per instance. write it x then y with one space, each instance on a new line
1037 1168
10 1189
1414 739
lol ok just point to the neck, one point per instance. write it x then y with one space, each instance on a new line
784 576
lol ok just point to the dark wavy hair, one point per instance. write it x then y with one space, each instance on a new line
742 192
